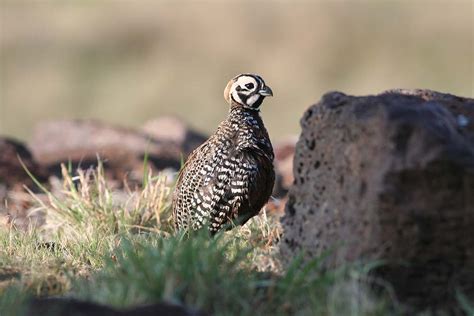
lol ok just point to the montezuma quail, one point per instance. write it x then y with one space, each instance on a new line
230 177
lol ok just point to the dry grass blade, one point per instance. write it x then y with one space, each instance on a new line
86 204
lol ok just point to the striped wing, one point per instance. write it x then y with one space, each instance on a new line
238 191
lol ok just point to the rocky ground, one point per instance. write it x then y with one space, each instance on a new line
162 144
66 155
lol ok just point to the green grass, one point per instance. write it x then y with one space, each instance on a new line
218 275
116 246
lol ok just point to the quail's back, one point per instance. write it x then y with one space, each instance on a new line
230 177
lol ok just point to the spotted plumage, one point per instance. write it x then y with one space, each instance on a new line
230 177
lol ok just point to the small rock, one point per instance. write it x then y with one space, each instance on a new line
12 174
67 307
122 150
175 130
284 153
14 203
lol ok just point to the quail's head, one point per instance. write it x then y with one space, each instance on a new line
247 90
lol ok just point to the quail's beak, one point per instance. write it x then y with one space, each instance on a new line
266 92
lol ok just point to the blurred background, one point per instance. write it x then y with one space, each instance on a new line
126 62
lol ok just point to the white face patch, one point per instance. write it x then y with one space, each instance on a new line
244 90
252 99
242 81
236 97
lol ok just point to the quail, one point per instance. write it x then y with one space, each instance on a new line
230 177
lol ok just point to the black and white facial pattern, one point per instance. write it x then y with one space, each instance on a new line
246 91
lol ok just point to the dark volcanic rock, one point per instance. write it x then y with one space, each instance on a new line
389 177
71 307
13 178
122 150
12 173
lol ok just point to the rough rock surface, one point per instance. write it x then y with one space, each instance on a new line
389 177
122 150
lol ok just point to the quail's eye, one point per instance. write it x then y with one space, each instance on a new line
249 85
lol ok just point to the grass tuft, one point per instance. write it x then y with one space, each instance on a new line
217 275
87 206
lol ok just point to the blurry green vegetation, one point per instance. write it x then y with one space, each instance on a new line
126 62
